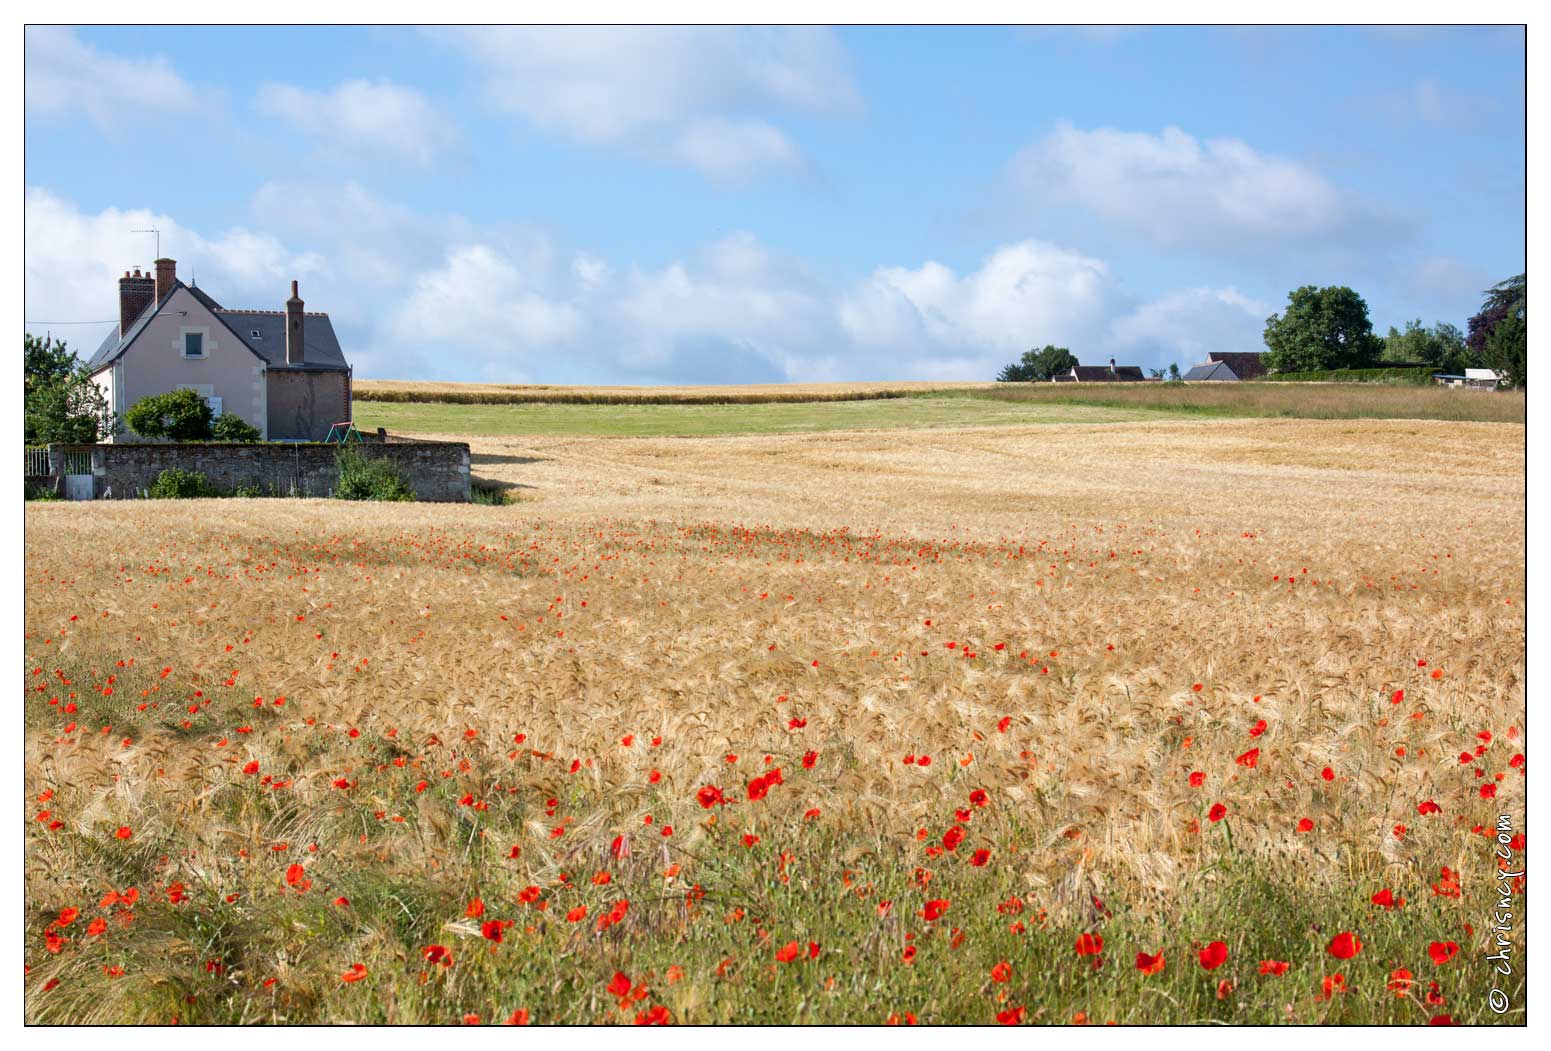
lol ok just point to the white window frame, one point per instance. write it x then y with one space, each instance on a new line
203 332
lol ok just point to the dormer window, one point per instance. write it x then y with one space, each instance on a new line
193 344
255 333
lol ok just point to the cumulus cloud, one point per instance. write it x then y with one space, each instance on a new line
74 260
678 95
65 75
1184 325
1184 192
419 296
364 117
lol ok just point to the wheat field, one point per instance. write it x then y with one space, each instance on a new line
1199 720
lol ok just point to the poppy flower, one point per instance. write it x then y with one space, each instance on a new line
1386 899
475 910
493 930
355 974
1442 952
437 954
1276 968
1217 813
952 838
979 858
1001 972
620 984
1249 759
1149 964
1400 981
1214 955
1344 946
1197 778
1089 944
1305 825
519 1017
1010 1016
124 832
935 908
788 952
710 796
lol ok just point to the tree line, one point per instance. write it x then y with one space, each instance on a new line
1328 328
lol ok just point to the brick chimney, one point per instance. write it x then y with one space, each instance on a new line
166 275
134 295
295 348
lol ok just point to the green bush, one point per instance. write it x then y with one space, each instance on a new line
232 428
179 415
363 478
1419 377
177 484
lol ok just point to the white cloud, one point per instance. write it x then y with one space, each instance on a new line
65 75
1183 192
74 260
1022 295
1185 325
437 297
380 118
680 95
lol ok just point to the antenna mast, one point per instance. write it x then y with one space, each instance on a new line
158 233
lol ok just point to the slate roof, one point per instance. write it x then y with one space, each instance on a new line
1215 370
1102 373
1246 365
322 346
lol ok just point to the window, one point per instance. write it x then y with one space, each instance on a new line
255 333
193 344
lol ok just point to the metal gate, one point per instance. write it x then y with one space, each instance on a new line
79 482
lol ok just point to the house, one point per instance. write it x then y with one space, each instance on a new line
1227 366
1110 373
1473 379
280 370
1211 372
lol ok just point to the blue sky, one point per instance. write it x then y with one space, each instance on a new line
720 205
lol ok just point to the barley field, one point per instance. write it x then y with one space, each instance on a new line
1181 721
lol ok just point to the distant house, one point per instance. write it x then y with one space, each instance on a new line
1110 373
1473 379
1227 366
280 370
1212 372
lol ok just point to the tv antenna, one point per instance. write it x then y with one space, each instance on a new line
158 233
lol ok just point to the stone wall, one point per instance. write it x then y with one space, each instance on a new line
437 471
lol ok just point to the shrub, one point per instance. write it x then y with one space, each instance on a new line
232 428
179 415
177 484
1380 375
362 478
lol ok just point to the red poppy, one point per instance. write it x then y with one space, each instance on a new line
1249 759
1001 972
1305 825
620 984
709 796
437 954
355 974
1442 952
952 838
1010 1016
475 910
1214 955
1217 813
1345 945
124 832
1386 899
979 858
494 930
935 908
787 953
1197 779
1149 964
1090 944
519 1017
1274 967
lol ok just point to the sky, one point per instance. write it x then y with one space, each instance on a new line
724 205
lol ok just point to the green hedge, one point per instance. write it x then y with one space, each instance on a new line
1415 377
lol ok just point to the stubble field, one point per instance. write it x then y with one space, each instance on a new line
1138 722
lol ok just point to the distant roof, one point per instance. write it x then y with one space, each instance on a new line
1246 365
321 345
1480 374
1216 370
1103 374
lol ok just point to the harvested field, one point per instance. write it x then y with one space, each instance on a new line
743 394
1157 721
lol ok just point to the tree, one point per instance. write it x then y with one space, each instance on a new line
1174 376
62 404
1499 332
1506 350
1502 299
229 427
1038 366
1441 347
179 415
1322 328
